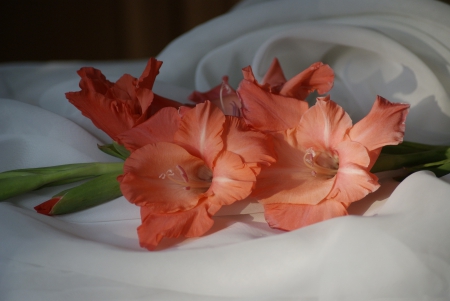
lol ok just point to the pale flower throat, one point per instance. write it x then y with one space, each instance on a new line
321 163
202 178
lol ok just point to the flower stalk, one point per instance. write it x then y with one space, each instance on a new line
20 181
94 192
413 157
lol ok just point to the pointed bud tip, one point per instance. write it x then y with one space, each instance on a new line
47 206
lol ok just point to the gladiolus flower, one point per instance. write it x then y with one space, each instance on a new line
118 107
277 104
258 102
180 180
323 163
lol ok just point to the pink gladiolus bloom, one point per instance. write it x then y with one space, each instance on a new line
117 107
323 163
180 179
277 104
274 87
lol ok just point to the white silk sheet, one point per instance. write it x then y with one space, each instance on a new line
398 250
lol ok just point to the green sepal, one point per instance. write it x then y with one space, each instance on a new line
116 150
95 192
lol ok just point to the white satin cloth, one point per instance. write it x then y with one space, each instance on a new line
399 249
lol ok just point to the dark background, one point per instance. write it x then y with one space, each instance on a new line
40 30
97 29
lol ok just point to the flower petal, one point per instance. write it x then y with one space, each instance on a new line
353 180
318 77
109 115
93 80
212 94
274 76
160 175
252 146
291 216
323 126
191 223
160 102
125 90
281 184
384 125
200 132
147 79
266 111
289 180
232 180
222 96
161 127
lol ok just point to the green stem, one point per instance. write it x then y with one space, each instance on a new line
393 161
19 181
99 190
407 147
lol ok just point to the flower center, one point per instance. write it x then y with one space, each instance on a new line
321 163
202 178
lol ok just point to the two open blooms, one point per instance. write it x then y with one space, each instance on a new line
187 163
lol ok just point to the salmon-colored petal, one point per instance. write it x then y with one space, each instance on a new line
318 77
274 77
384 125
149 102
266 111
290 180
160 102
230 105
165 177
291 216
183 110
125 90
252 146
222 89
200 132
283 184
93 80
232 179
147 79
191 223
222 96
161 127
352 152
247 72
109 115
352 183
353 180
323 126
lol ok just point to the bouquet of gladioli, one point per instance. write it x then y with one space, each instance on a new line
182 163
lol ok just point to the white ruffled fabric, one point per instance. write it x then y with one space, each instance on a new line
398 251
